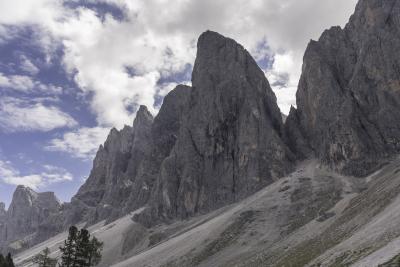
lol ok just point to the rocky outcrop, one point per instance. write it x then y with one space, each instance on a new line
229 143
28 212
164 132
222 139
348 100
2 210
3 213
115 168
127 166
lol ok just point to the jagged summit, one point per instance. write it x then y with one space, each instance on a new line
348 98
202 149
370 14
28 215
143 116
220 155
221 140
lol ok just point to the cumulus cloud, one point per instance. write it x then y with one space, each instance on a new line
283 77
82 143
17 82
27 65
23 115
51 175
27 84
157 38
19 12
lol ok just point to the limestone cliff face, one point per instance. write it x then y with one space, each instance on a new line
127 166
164 132
222 139
229 143
115 169
28 213
2 210
348 100
3 213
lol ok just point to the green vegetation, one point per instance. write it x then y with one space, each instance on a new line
79 250
7 261
43 259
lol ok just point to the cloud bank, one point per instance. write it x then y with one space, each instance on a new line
156 38
82 143
50 175
18 115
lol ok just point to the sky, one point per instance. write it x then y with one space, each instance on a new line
72 70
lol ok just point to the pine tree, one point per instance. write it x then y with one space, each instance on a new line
69 249
82 249
95 249
9 261
43 259
2 261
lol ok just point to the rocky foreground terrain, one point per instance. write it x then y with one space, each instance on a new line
218 179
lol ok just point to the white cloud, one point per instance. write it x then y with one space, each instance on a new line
27 84
27 65
82 143
17 82
52 175
158 38
20 115
283 77
30 11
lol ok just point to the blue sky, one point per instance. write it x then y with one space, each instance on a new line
72 70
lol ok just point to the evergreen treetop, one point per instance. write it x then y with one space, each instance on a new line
80 250
43 259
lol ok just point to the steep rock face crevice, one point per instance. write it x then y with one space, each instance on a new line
230 142
164 132
349 92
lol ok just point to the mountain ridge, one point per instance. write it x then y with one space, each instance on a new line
221 142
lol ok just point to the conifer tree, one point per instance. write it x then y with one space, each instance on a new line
43 259
2 261
82 248
9 261
95 248
69 249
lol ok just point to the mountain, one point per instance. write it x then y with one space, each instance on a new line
127 166
27 220
115 174
202 151
348 99
312 217
216 178
229 144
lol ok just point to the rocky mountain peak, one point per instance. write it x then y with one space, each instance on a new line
348 96
372 14
28 212
224 138
219 155
115 171
143 117
48 200
23 196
